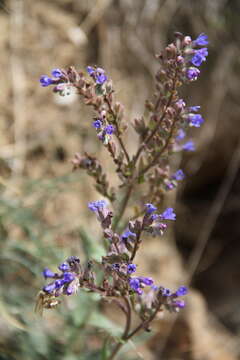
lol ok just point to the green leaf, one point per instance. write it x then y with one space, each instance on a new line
141 179
105 350
99 90
91 247
102 322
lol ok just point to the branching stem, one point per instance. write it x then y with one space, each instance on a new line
118 135
126 335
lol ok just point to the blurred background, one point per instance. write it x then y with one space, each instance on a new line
43 212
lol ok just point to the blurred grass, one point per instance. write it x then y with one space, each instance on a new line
28 244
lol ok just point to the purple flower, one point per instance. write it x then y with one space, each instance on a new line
166 292
180 135
179 303
45 80
182 290
90 70
68 277
70 289
189 146
179 175
97 205
59 283
131 268
170 186
195 120
101 79
128 234
192 73
56 73
146 280
201 40
116 267
154 217
49 288
199 56
134 283
64 267
168 214
109 129
98 75
150 208
194 108
47 273
97 124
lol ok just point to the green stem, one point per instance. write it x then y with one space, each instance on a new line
123 206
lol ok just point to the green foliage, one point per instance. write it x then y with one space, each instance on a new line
28 244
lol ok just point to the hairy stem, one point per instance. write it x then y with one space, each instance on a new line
126 330
144 324
136 244
118 135
151 135
127 336
159 153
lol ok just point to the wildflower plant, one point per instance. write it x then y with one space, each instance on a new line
161 134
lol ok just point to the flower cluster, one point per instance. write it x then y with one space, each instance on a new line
118 261
117 264
161 132
66 282
138 283
98 74
104 130
169 299
45 80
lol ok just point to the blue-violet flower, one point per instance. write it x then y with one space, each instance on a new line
47 273
131 268
109 129
168 214
195 120
179 175
201 40
150 208
180 135
192 73
45 80
97 124
199 56
182 290
56 73
189 146
97 205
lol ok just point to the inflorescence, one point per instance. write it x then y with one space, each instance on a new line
161 134
117 263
